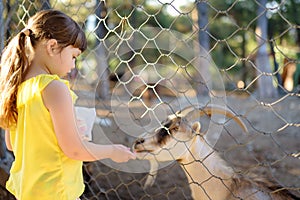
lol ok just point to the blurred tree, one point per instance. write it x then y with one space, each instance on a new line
283 21
232 29
293 16
1 27
203 24
243 13
102 89
45 4
78 10
264 72
202 75
293 10
8 10
133 24
135 19
243 17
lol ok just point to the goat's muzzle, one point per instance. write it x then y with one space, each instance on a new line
138 146
139 141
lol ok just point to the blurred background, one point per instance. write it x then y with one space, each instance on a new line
153 57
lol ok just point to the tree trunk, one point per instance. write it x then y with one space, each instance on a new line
102 89
2 37
276 67
11 9
265 81
2 145
296 20
133 21
244 70
45 4
202 75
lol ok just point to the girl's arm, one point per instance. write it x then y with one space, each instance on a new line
7 140
58 101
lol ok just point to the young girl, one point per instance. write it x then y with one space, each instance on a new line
36 109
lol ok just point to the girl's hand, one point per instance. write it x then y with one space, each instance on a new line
121 153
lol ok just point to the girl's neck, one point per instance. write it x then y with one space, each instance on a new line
36 68
33 73
38 63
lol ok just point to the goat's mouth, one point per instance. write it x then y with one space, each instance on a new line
141 148
142 151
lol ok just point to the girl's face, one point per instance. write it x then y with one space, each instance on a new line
65 60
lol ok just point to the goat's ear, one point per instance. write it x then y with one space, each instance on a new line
196 127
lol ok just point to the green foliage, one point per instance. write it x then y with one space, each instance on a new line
231 28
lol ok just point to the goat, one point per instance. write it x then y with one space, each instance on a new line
208 174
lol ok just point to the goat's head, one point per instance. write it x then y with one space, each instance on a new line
167 142
175 136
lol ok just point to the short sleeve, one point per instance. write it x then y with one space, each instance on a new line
46 79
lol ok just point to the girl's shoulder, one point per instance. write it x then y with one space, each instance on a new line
37 84
57 94
45 79
58 85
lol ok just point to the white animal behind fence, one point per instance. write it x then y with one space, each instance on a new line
209 176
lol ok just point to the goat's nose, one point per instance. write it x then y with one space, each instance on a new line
139 141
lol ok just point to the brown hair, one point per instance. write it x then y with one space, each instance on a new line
46 24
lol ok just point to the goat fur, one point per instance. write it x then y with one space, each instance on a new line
208 174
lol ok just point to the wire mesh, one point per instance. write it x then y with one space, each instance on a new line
147 59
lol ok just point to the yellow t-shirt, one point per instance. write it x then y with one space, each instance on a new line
40 170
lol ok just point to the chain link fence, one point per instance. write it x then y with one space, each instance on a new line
147 59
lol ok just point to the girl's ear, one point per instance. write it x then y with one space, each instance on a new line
52 47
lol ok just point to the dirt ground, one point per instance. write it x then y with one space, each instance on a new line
270 149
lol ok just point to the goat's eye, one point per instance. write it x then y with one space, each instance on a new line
176 128
162 135
163 132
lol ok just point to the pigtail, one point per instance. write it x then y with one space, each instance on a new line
14 63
